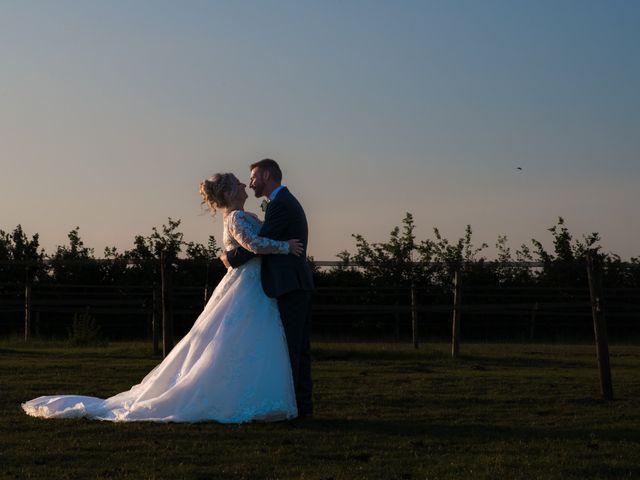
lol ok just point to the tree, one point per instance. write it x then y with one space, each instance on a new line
566 265
198 251
449 257
168 241
201 265
75 263
389 263
145 255
17 252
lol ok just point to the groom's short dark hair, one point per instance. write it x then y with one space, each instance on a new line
270 166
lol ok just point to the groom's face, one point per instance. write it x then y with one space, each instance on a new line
257 182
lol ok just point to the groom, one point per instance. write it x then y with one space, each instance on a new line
287 278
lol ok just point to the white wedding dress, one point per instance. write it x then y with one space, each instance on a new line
232 367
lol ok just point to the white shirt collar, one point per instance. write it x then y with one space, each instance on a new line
275 192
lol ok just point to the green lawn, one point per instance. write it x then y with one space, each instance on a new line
383 411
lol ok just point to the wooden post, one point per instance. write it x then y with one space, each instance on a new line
457 302
599 325
167 311
156 306
414 316
397 319
27 306
206 284
532 326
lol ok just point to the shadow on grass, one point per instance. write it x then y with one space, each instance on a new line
521 362
78 353
24 353
604 471
417 357
347 354
464 432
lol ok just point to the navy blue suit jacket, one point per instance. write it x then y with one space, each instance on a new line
284 220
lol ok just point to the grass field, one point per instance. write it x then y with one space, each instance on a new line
383 411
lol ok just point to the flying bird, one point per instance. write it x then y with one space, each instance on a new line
519 168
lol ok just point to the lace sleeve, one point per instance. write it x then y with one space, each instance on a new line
245 231
254 217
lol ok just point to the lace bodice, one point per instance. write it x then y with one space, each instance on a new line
241 230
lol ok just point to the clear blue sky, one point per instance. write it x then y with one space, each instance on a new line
113 111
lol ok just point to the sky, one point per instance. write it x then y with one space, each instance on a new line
112 112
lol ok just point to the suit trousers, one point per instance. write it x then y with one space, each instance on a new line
295 312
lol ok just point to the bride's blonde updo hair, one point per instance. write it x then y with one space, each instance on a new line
213 190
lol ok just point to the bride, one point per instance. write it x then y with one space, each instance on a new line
233 365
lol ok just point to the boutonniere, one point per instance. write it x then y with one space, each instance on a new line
264 205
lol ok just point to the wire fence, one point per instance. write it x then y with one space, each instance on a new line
418 312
